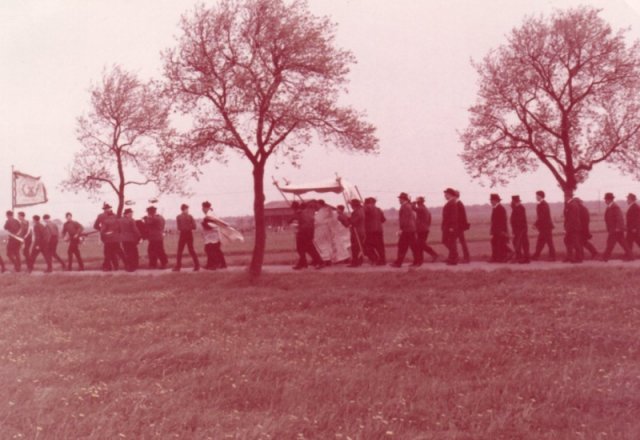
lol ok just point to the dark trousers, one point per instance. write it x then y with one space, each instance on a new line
131 256
156 254
26 249
612 239
574 245
374 247
186 239
53 251
215 257
463 245
111 252
422 238
74 251
406 241
13 253
37 250
499 248
450 239
633 237
304 246
357 252
586 244
545 238
521 245
2 268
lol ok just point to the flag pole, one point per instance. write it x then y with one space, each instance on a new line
13 189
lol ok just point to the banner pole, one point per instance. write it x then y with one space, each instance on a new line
13 189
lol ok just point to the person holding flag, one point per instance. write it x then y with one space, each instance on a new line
12 226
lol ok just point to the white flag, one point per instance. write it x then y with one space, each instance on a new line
27 190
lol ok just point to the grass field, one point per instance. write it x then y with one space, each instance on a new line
423 355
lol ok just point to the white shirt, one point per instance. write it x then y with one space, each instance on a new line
211 236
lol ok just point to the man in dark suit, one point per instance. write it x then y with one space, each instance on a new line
423 225
186 224
544 225
374 232
356 223
27 235
41 238
520 231
585 220
155 237
407 238
12 226
73 230
130 236
614 220
499 231
573 231
451 225
463 225
303 216
633 221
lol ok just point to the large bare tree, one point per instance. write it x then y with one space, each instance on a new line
564 92
261 77
121 137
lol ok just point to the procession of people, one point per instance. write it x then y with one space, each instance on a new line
509 234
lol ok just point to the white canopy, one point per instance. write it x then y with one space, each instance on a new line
336 185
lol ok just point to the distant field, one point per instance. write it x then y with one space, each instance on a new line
281 244
426 355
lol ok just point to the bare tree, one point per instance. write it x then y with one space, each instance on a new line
563 92
121 139
262 77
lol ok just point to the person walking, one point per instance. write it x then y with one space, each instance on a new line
423 225
12 226
633 221
211 234
27 235
451 225
72 230
41 240
463 225
186 225
574 231
357 230
110 236
407 234
155 236
614 221
130 238
544 225
585 220
374 232
520 231
54 239
499 231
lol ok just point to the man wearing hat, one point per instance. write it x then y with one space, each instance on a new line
109 237
130 236
356 225
464 225
585 220
12 226
451 225
186 225
544 225
633 221
574 231
73 230
155 237
374 232
614 220
423 225
499 231
407 234
520 231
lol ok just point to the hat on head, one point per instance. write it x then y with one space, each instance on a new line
355 202
515 199
403 196
128 211
609 196
541 194
450 191
184 206
106 206
206 204
152 209
495 197
632 196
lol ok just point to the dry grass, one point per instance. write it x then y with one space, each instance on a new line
322 356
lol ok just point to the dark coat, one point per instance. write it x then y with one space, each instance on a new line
572 217
518 219
185 223
543 220
463 223
585 219
407 218
499 222
155 227
373 218
423 218
110 229
633 218
72 229
450 217
613 218
129 232
41 234
12 225
357 220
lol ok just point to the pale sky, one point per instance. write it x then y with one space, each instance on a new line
413 78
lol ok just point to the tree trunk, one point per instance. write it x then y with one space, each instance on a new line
120 203
255 269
